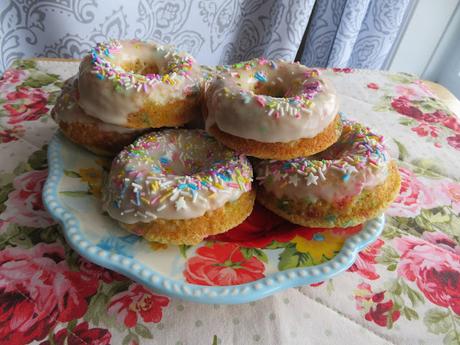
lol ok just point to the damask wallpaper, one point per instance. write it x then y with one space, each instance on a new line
214 31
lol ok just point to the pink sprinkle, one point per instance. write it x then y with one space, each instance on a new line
277 114
154 200
260 100
263 61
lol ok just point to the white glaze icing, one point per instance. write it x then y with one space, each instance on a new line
68 111
358 161
110 93
235 108
174 174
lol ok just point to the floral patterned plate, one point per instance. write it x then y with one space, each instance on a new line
263 255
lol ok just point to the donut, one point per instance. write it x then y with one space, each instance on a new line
271 109
352 181
178 186
139 85
96 136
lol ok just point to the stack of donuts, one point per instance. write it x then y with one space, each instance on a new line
170 185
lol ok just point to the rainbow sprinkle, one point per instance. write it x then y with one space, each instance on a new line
358 148
178 69
173 166
292 104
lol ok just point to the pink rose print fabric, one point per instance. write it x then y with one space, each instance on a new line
404 288
137 302
24 205
30 303
415 194
25 104
435 269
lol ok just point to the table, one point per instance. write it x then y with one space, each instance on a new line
403 289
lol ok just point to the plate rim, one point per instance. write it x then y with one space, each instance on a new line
232 294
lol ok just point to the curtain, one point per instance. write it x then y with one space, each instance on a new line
352 33
214 31
339 33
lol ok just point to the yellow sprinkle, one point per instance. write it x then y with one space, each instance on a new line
166 196
154 186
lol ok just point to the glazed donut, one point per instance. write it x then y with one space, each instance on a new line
139 85
352 181
271 109
96 136
178 186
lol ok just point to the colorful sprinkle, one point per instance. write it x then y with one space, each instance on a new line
357 148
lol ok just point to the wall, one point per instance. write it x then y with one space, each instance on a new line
444 66
425 29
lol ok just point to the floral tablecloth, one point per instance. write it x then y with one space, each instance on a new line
403 289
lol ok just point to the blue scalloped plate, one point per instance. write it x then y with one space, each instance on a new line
285 256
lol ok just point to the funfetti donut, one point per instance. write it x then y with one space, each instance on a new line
139 85
352 181
271 109
178 186
99 137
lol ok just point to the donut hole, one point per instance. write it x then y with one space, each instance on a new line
273 88
185 168
193 158
141 67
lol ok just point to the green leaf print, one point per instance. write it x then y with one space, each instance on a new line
291 258
183 250
384 104
39 79
248 253
402 78
143 331
410 314
4 191
427 167
403 153
17 236
437 321
405 121
130 338
38 159
452 338
388 256
24 64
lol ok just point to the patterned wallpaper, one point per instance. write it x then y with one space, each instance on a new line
214 31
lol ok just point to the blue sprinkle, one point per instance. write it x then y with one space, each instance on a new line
260 77
318 237
164 160
138 198
182 186
224 177
346 177
100 76
192 186
246 98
